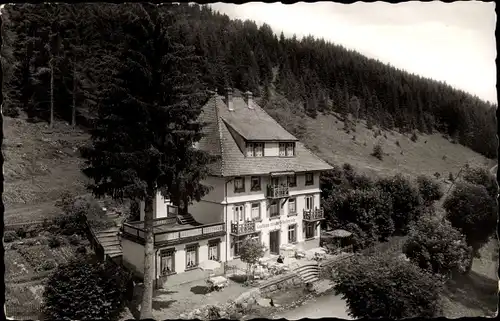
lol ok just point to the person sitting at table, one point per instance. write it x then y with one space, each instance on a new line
280 259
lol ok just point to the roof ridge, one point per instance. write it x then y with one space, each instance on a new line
219 130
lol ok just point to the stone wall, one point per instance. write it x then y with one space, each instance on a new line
327 267
284 283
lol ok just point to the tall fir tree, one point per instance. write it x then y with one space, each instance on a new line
143 140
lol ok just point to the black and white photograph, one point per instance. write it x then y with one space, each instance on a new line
183 160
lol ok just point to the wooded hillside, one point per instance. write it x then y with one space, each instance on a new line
53 57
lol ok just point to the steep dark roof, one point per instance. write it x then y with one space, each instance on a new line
251 124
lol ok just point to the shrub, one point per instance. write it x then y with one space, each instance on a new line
378 152
397 143
384 287
437 175
21 233
9 236
473 211
482 177
406 201
429 189
85 289
450 177
414 137
54 242
434 245
74 239
75 213
81 249
49 265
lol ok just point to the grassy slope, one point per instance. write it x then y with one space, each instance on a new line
40 163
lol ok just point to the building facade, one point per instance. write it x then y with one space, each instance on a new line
265 185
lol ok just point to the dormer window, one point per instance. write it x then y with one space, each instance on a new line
287 149
255 149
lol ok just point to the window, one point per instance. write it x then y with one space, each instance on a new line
255 211
309 178
172 210
239 213
290 149
258 149
310 230
292 233
191 256
292 180
239 184
274 209
250 152
255 183
309 203
292 206
167 265
282 149
255 149
213 250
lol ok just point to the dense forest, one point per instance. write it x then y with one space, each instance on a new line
53 54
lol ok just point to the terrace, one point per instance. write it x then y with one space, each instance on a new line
168 232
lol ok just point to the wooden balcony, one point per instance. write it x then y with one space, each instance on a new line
170 234
242 228
277 191
314 215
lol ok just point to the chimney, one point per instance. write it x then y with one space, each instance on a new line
248 99
229 98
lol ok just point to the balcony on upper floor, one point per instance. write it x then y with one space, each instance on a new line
314 215
278 191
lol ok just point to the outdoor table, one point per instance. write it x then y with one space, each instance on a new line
217 282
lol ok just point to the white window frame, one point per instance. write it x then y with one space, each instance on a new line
282 149
242 180
239 213
311 182
251 183
290 149
312 227
167 260
309 203
250 150
292 228
289 180
275 205
258 149
253 212
290 202
213 246
192 250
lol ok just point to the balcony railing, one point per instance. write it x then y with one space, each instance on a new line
242 228
175 236
317 214
277 191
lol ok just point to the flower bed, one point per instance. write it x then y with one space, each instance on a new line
63 254
16 265
37 256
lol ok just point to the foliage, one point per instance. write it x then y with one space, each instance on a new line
9 236
54 242
414 137
238 54
406 202
75 212
429 189
21 232
434 245
384 287
85 289
251 250
74 239
49 265
481 176
378 151
472 210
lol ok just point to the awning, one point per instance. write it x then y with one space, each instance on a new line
273 174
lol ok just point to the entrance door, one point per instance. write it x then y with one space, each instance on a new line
274 242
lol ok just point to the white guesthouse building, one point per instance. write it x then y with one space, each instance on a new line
265 186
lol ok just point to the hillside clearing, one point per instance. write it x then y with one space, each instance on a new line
430 154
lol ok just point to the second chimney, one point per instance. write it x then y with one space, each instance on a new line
248 99
229 98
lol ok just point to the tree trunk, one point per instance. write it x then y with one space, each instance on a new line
149 268
73 110
51 123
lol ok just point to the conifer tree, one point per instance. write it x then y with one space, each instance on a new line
142 141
